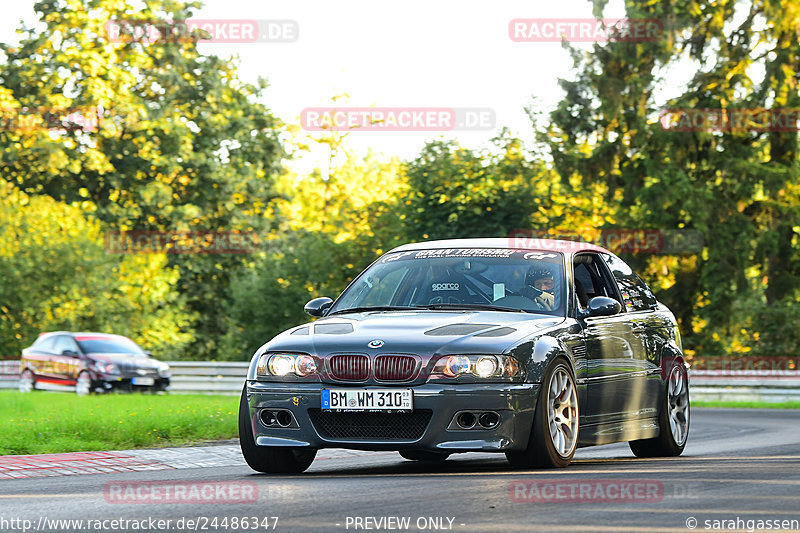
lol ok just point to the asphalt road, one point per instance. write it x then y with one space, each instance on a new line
739 465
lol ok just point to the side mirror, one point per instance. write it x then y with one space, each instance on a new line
148 353
70 353
318 306
604 306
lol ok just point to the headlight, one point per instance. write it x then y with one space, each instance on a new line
305 365
163 369
105 368
481 366
455 365
280 365
486 366
284 364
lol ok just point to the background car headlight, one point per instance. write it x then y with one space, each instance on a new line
163 370
104 368
286 364
480 366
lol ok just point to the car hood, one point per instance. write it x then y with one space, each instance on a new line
423 333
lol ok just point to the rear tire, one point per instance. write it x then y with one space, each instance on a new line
27 382
554 435
673 422
424 455
269 459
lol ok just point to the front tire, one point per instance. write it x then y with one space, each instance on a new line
424 455
673 422
554 435
268 459
83 385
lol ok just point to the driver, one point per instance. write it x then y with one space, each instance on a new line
540 287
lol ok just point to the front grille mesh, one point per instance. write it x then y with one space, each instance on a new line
370 426
350 367
394 367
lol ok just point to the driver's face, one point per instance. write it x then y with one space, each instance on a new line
544 284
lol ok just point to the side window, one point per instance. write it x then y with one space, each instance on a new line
591 279
584 287
46 346
64 342
636 295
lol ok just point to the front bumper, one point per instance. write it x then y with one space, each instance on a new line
514 402
109 382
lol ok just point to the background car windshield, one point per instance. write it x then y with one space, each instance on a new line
98 345
514 279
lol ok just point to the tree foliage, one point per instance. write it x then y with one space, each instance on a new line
738 186
455 192
57 276
181 143
101 136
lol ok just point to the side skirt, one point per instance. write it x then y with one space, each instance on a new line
643 428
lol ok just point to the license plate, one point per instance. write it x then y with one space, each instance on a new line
143 381
367 400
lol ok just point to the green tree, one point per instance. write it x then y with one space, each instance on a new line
181 143
57 275
739 187
454 192
336 221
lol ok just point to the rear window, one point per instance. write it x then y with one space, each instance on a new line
636 295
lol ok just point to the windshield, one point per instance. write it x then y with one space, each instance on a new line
470 278
109 345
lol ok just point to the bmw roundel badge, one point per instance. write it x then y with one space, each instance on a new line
377 343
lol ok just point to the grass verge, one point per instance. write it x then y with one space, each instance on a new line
51 422
747 405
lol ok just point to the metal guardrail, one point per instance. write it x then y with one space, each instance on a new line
766 386
203 377
207 377
9 374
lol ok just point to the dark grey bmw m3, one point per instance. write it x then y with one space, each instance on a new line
473 345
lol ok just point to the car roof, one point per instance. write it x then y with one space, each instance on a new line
81 334
508 243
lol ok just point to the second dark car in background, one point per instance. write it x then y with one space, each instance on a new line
90 362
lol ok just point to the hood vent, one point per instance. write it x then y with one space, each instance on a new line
340 328
499 332
458 329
